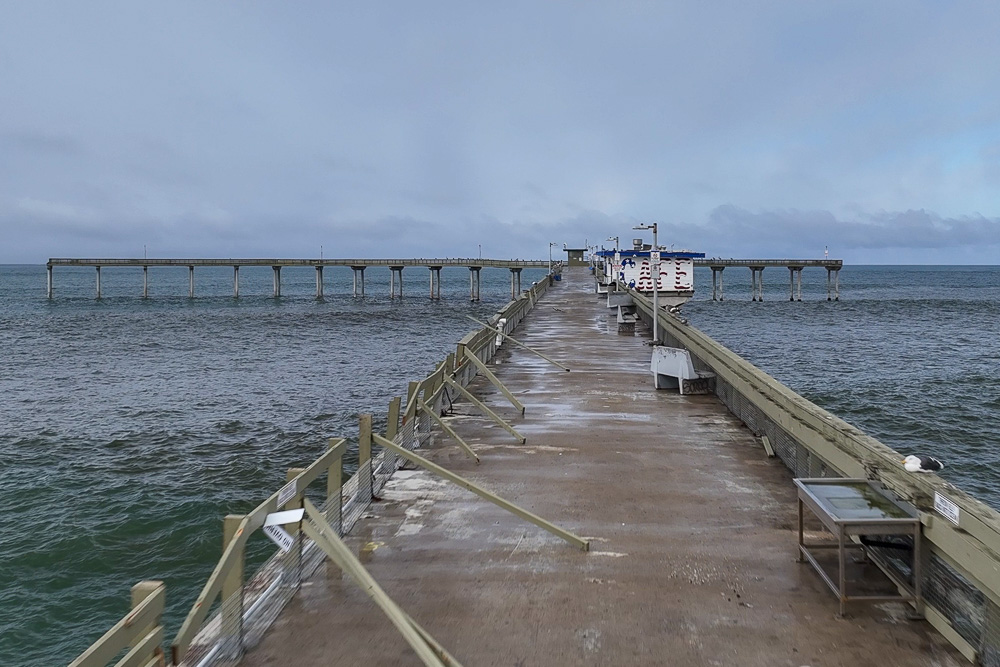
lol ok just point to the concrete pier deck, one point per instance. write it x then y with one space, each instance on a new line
693 549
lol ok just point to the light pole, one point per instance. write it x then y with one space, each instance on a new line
654 257
614 261
550 259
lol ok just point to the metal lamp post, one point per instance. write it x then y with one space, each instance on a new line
655 270
614 263
550 260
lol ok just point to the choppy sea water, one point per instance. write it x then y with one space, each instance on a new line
130 427
910 354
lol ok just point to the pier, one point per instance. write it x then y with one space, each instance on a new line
757 266
358 267
513 512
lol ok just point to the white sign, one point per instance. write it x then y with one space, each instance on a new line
281 518
655 257
288 491
946 508
280 537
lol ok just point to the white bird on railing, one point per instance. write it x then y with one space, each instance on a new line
922 464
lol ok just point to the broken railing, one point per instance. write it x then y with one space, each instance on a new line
234 609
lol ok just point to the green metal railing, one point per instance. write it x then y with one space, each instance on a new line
233 610
962 568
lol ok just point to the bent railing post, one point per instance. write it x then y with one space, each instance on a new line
486 495
429 651
447 429
493 379
485 409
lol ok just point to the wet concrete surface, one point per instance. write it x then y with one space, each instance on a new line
692 560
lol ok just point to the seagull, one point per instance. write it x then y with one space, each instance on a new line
922 464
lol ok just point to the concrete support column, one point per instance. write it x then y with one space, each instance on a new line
190 282
395 271
236 282
800 285
513 294
836 285
359 280
791 283
721 297
435 281
277 281
319 282
48 282
757 283
145 282
98 282
519 281
828 275
717 282
474 283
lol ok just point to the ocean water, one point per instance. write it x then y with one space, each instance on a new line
910 354
130 427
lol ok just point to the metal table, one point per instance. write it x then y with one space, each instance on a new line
855 507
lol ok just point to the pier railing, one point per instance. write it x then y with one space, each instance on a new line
234 610
961 569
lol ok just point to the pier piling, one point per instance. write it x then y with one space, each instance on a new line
319 282
48 282
435 281
277 281
474 283
793 273
99 283
359 272
145 282
394 272
190 282
236 281
756 283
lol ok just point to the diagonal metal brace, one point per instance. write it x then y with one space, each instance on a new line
430 652
483 493
493 378
447 429
482 406
519 343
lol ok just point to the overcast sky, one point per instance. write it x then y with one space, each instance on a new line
243 128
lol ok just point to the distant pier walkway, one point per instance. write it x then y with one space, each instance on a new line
692 530
395 266
757 266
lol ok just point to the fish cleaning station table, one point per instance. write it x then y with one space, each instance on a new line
856 508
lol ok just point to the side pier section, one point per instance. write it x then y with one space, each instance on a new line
358 266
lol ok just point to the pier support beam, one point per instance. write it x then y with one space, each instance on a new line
236 282
277 281
717 282
757 283
515 283
48 282
99 283
793 273
190 282
319 282
145 282
474 282
394 272
835 275
359 272
435 281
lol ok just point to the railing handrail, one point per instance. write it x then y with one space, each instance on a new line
140 628
251 522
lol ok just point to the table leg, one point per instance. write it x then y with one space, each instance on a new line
798 556
843 562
